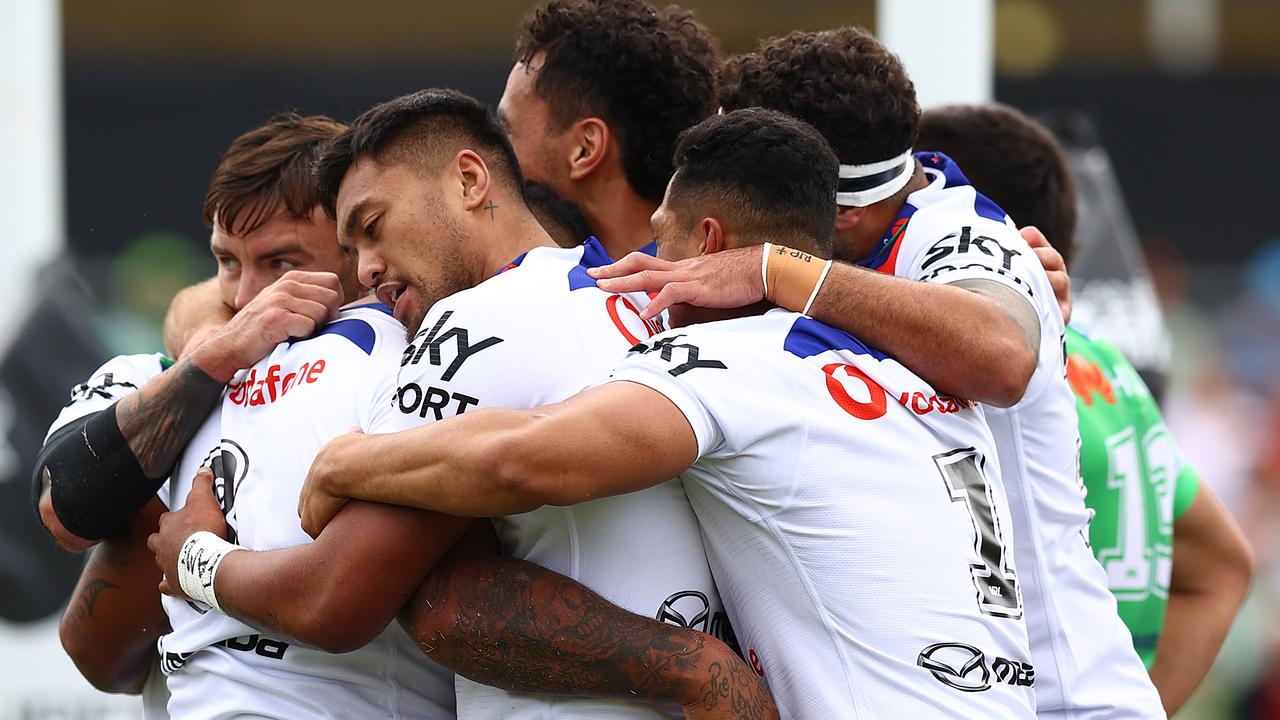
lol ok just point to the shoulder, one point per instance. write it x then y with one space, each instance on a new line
722 345
369 330
121 375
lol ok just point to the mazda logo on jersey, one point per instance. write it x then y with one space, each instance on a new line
956 665
686 609
964 667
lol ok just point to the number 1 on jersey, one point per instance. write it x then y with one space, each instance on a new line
995 577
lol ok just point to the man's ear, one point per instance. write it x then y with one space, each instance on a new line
588 147
473 179
848 217
711 238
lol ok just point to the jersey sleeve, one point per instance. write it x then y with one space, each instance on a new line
979 250
1184 492
117 378
687 371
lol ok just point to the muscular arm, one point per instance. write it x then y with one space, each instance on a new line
518 626
341 591
609 440
194 312
975 339
156 422
978 340
101 477
1212 570
110 627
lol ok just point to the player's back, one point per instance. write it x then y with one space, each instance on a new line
273 419
855 520
1138 483
948 232
537 333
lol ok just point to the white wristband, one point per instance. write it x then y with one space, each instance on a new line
764 267
198 562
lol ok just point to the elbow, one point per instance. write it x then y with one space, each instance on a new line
1006 382
1239 567
100 668
530 476
65 539
339 626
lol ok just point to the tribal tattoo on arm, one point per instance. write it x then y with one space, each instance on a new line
518 626
158 420
109 628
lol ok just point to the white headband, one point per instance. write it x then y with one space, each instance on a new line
863 185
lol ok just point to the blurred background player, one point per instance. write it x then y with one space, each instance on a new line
983 325
843 531
1177 563
598 93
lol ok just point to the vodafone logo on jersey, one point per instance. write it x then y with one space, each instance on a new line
255 389
862 397
855 392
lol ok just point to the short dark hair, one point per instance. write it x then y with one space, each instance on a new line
774 177
649 74
1011 159
562 219
267 168
416 129
844 82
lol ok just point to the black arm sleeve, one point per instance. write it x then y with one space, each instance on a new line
95 481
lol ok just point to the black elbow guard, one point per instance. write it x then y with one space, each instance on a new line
96 483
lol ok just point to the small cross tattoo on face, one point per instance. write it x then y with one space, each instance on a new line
490 207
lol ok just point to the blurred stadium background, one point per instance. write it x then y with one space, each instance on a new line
113 115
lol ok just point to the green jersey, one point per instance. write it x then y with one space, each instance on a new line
1137 480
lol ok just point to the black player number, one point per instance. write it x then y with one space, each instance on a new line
994 577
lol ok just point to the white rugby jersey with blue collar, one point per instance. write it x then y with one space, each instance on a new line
273 419
537 333
1086 666
855 520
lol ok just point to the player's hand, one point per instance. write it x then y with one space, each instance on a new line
1054 266
728 279
729 689
291 307
321 497
201 512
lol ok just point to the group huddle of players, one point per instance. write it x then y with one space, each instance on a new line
732 480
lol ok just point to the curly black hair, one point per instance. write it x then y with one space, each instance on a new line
1011 159
844 82
648 73
771 176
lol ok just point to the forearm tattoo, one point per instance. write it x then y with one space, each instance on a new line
81 608
159 419
109 561
518 626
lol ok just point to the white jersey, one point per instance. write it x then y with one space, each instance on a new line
118 377
855 521
538 333
273 419
1086 666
